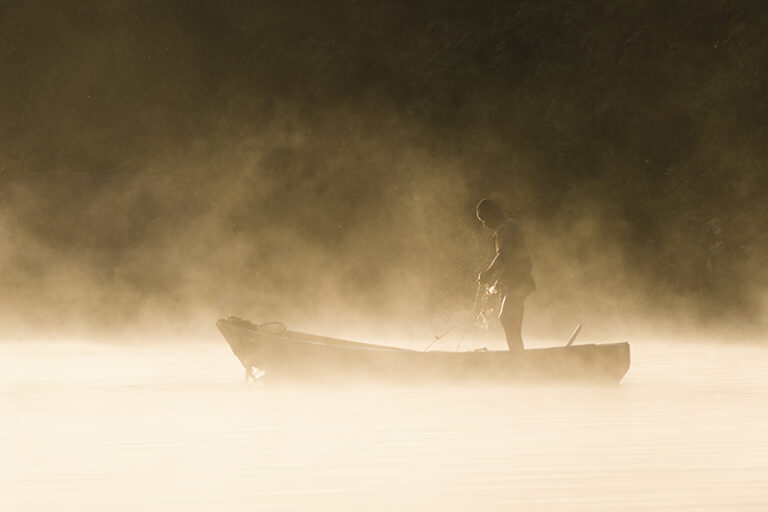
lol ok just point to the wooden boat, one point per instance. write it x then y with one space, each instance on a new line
271 349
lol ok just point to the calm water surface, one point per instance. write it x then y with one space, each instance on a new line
167 427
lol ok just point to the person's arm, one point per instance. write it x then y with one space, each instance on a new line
490 274
503 247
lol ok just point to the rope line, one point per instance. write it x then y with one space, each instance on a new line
472 316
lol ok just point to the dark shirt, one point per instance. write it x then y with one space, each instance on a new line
512 263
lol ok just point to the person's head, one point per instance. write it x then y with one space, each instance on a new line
490 213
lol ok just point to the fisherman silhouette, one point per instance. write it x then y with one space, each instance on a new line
509 271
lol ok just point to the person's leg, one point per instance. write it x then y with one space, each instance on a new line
511 318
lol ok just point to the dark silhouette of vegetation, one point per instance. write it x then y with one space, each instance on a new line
647 117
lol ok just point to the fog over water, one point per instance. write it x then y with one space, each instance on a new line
167 163
93 427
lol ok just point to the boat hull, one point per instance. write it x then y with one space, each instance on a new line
295 356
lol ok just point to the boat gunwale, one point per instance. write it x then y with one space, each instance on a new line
325 341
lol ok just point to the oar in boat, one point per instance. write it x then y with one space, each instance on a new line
573 335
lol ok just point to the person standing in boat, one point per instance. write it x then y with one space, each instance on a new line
510 270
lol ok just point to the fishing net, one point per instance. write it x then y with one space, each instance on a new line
486 308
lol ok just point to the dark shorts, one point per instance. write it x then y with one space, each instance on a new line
519 287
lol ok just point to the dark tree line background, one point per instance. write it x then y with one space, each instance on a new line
161 152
